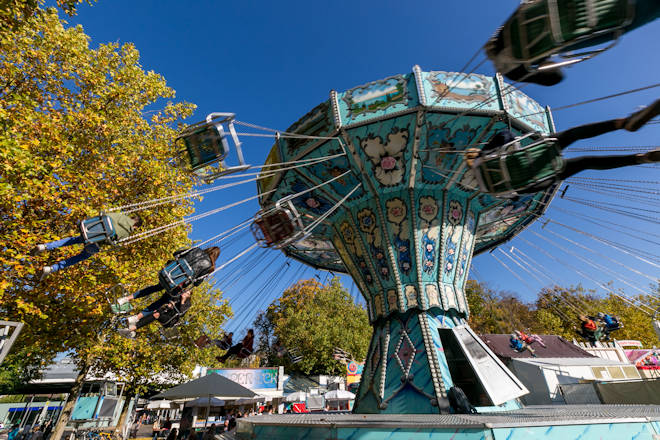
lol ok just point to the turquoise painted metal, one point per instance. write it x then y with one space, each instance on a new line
411 216
585 422
596 431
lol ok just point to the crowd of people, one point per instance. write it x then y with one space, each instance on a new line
28 432
163 428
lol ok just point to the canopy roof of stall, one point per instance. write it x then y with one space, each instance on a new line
212 385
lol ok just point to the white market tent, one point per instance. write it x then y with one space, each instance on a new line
298 396
339 395
162 404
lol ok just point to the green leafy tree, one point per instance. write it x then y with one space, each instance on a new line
312 319
492 312
556 311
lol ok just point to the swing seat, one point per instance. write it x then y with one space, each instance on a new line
98 229
539 29
170 333
207 146
176 276
278 226
224 345
244 353
169 317
294 357
503 171
112 295
202 341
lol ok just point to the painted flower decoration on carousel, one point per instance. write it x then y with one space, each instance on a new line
396 210
428 208
309 201
455 213
367 221
387 159
347 233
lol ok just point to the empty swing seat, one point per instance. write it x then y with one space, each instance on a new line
504 172
539 29
294 357
207 146
113 294
278 226
176 276
170 333
98 229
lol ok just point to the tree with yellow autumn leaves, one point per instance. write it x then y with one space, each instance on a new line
82 130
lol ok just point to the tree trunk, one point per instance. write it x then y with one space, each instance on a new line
69 404
124 414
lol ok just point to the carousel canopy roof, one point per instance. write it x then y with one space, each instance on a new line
405 134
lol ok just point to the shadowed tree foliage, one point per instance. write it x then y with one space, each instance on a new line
486 313
312 319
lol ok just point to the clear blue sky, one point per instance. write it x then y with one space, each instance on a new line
271 62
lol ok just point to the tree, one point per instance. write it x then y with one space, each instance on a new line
76 138
556 311
14 13
558 308
142 364
312 319
493 312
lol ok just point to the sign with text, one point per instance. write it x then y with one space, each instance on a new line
251 378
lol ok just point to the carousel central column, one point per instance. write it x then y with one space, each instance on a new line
410 261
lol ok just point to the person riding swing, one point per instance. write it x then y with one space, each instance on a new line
241 350
589 329
522 48
519 345
224 343
189 269
609 324
94 232
504 168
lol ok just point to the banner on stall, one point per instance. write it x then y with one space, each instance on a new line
251 378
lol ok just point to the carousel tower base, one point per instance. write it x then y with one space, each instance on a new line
639 422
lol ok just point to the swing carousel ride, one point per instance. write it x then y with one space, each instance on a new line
375 183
